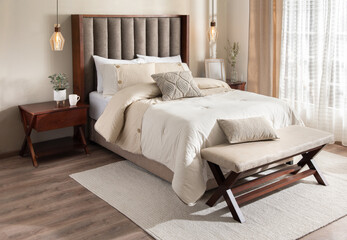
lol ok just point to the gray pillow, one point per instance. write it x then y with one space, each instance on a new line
247 130
175 85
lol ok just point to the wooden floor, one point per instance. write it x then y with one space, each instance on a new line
45 203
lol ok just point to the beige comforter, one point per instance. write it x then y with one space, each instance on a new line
121 122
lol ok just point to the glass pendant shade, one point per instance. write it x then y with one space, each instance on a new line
212 32
57 40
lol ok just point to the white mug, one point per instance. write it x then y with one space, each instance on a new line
73 99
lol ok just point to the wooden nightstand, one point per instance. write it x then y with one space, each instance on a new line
47 116
237 85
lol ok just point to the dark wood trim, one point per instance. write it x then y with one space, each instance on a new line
236 85
130 16
78 47
185 38
47 116
274 186
264 179
78 56
9 154
227 188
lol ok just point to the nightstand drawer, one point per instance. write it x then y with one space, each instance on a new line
60 119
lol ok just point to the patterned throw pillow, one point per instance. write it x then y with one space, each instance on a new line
175 85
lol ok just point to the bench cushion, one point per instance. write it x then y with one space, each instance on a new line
242 157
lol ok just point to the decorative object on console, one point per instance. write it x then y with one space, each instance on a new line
60 84
232 52
212 32
236 85
215 68
73 99
57 40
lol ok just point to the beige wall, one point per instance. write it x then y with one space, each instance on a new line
238 26
26 59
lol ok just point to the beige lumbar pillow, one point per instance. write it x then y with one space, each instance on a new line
175 85
131 74
247 130
168 67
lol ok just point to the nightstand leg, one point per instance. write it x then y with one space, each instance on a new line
83 139
27 140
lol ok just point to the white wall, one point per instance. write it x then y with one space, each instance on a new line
26 60
238 26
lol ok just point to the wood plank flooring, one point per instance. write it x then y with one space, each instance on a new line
45 203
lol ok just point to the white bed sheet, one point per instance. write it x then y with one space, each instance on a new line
97 104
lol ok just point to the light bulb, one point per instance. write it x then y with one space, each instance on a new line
212 32
57 40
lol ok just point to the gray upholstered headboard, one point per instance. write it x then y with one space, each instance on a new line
122 37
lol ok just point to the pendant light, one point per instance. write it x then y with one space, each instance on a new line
57 40
212 31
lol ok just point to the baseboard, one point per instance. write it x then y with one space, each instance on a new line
9 154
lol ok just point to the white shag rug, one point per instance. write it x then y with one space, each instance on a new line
287 214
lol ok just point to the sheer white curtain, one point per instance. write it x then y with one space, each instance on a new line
313 72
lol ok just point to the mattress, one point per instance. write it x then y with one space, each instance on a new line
97 104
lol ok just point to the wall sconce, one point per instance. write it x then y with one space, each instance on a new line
212 32
57 40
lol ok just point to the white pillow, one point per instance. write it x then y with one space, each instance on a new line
109 82
99 61
173 59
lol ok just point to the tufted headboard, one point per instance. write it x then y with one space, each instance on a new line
122 37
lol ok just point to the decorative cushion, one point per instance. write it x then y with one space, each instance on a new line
100 61
247 130
154 59
175 85
131 74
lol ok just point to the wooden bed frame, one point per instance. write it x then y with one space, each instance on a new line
79 54
80 86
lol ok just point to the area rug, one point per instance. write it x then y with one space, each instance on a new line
287 214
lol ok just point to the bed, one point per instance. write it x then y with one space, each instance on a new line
122 37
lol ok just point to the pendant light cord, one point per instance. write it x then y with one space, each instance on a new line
57 14
212 10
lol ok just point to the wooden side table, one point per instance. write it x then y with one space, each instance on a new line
47 116
236 85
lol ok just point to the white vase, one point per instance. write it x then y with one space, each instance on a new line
59 95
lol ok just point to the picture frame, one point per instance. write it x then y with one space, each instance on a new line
215 68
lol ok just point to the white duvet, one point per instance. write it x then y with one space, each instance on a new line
173 132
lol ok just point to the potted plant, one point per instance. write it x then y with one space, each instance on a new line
60 84
232 52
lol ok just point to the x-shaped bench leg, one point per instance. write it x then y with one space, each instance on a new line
225 191
307 159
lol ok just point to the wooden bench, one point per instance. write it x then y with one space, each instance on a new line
242 159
